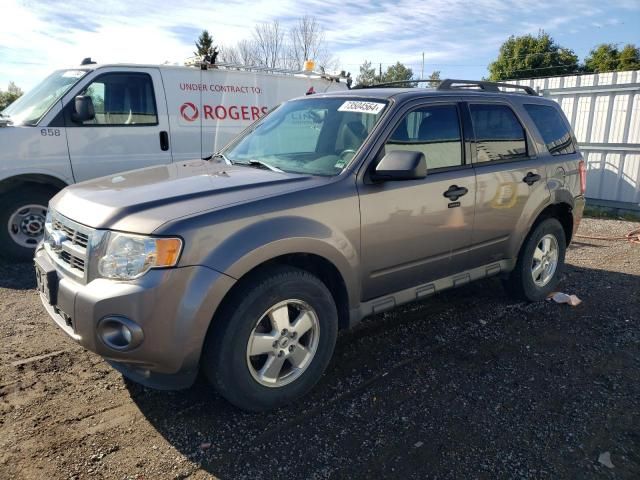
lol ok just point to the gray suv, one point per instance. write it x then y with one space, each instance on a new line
333 207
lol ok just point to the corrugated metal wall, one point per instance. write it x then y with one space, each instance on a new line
604 110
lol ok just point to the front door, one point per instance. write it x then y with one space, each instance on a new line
130 129
411 232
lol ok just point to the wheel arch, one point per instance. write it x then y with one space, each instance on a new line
563 213
311 262
41 179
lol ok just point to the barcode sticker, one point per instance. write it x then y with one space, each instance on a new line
373 108
73 73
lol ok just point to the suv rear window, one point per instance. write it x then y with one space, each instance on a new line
499 134
554 130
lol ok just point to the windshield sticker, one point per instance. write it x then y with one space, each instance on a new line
73 73
373 108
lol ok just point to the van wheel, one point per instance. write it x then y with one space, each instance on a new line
22 221
540 262
273 339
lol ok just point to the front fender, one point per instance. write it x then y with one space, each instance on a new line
265 240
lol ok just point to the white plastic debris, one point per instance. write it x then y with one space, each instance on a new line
605 459
560 297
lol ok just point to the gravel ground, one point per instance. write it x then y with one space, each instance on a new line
467 384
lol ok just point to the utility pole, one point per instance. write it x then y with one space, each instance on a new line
380 76
422 75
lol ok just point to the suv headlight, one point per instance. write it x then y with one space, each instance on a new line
130 256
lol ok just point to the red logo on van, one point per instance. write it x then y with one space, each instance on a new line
189 111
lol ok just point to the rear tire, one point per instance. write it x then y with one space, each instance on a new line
22 221
540 262
272 340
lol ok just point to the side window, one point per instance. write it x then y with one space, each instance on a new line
122 99
499 134
553 129
434 131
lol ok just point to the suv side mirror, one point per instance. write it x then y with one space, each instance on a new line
83 109
401 165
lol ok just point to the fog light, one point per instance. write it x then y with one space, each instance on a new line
120 333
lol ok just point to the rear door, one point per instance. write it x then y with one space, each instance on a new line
511 183
411 232
130 129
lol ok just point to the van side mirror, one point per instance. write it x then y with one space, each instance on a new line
83 109
401 165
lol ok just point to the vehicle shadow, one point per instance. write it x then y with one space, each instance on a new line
447 387
17 275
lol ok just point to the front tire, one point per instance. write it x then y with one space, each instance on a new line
272 340
540 262
22 221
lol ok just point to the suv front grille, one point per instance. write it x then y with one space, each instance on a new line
75 236
66 242
72 260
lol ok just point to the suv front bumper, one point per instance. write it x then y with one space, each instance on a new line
172 307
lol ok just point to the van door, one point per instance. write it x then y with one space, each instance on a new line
130 129
417 231
511 182
185 89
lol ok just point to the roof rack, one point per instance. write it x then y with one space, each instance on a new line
451 84
199 62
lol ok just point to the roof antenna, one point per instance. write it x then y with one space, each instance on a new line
87 61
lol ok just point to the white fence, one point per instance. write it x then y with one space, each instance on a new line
604 111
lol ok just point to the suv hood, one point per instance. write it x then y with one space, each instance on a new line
141 200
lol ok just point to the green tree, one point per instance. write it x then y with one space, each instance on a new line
532 56
629 58
11 95
397 73
204 44
603 58
607 58
367 74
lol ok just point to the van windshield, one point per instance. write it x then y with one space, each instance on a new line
318 136
31 107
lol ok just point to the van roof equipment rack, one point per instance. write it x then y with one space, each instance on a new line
452 84
395 83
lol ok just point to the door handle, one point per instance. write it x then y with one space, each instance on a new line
164 141
455 192
531 178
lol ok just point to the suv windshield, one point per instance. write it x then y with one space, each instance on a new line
318 136
29 108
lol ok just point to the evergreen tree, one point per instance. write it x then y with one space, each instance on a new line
204 45
367 74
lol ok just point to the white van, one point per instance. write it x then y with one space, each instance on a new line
97 120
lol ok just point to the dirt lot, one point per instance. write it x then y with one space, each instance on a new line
468 384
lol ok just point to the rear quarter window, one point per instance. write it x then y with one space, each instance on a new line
553 128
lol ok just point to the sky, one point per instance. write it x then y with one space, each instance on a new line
458 37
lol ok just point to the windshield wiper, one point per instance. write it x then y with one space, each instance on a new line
260 164
220 155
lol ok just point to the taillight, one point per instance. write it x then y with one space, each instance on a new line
582 168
